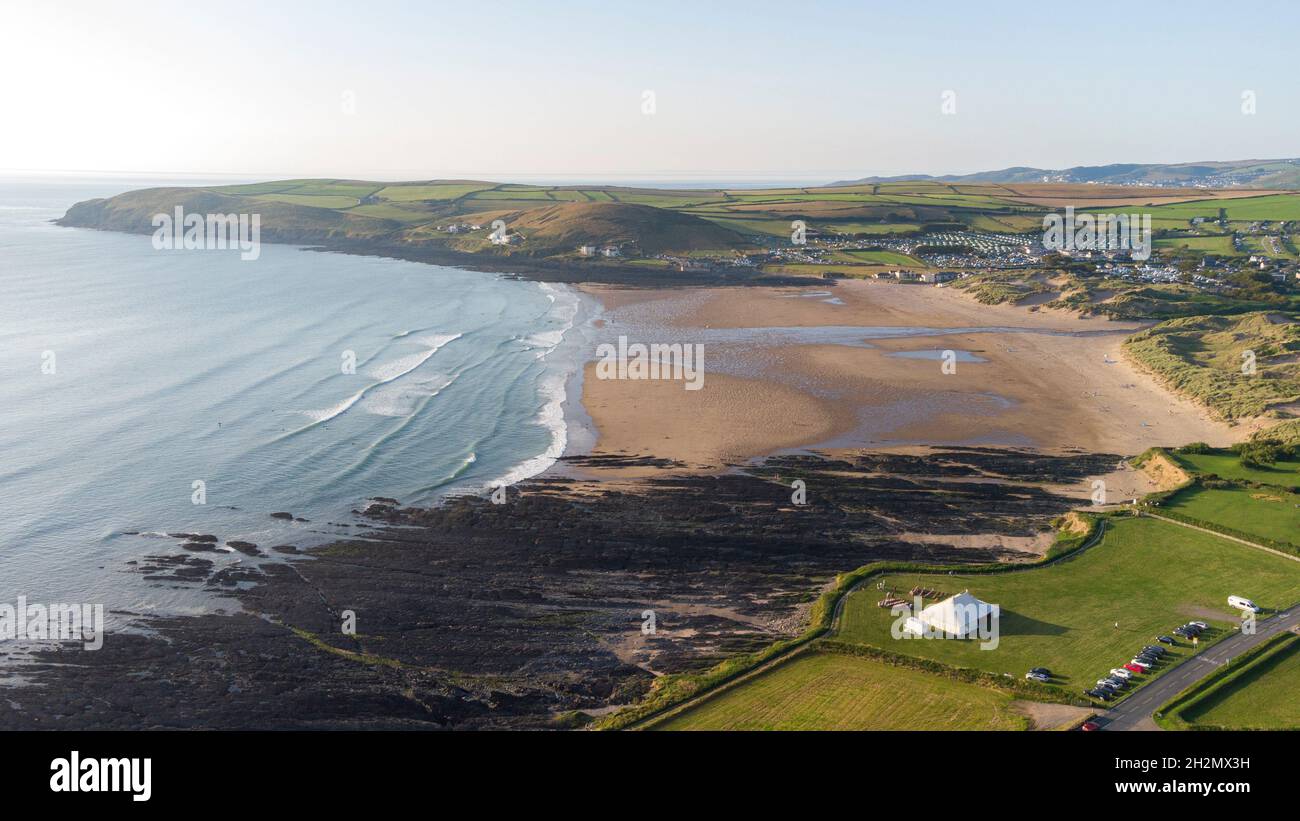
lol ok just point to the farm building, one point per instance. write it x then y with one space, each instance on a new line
960 616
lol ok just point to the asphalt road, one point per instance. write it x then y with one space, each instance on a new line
1135 712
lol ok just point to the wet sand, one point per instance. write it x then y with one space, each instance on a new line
1073 389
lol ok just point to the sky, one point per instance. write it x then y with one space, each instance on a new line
708 89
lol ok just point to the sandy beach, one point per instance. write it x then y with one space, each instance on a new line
1043 379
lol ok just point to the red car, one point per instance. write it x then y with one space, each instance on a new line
1089 726
1133 668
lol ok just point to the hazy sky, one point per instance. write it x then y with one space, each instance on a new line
789 90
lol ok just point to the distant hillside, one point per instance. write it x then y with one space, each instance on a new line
1239 174
133 213
564 226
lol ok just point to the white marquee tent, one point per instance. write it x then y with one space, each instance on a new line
959 616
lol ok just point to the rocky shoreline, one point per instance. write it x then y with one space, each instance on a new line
474 615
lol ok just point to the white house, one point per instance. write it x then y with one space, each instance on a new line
961 616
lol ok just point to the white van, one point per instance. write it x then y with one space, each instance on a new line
1242 604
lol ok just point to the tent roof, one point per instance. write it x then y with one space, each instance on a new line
956 614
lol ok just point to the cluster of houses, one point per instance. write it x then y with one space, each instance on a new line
609 250
459 227
931 277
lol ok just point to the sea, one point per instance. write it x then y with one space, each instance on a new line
148 392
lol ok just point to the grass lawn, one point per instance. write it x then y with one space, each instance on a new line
1226 465
1269 513
827 691
1264 697
1148 576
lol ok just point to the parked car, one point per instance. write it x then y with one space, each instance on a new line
1124 674
1032 676
1152 648
1135 668
1116 682
1098 693
1089 726
1243 604
1166 639
1202 625
1043 671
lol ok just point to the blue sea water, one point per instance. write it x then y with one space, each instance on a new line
176 367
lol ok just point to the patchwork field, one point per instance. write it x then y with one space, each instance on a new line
828 691
1266 696
1087 614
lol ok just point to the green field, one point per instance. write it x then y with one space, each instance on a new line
1221 246
390 212
1266 696
882 258
330 201
445 191
1271 208
1272 514
1146 576
828 691
1227 465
